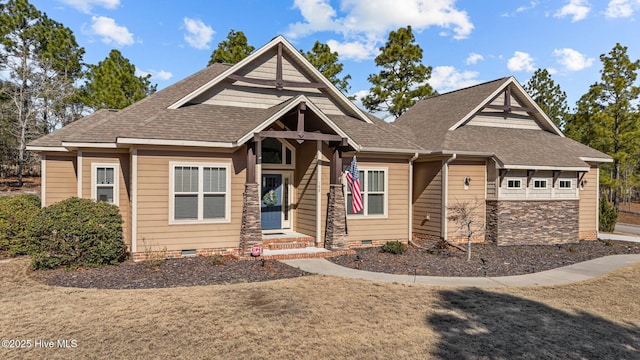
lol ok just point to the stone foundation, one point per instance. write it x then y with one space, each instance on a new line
532 222
336 228
176 254
251 230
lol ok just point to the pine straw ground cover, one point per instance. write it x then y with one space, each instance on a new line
316 317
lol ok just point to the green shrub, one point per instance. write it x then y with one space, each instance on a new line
78 233
17 222
608 216
394 247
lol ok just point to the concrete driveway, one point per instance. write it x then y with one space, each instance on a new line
628 229
623 232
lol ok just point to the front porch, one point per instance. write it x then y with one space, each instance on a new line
293 201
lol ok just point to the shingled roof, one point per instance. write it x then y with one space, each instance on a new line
439 124
155 119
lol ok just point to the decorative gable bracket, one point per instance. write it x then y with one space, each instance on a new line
507 107
279 83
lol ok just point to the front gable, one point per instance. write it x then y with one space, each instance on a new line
510 106
275 73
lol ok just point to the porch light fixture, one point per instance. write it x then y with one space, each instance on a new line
583 182
467 181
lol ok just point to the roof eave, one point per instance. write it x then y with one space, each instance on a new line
47 148
594 159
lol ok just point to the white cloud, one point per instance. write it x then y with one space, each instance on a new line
318 16
522 8
163 75
473 58
86 5
110 31
198 33
160 75
372 19
448 78
521 61
621 8
572 60
577 9
353 50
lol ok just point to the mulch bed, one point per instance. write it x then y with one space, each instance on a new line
192 271
486 259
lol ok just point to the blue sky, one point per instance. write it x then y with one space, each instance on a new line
466 42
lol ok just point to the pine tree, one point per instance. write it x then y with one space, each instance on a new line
232 50
548 95
326 61
113 84
42 61
608 120
402 80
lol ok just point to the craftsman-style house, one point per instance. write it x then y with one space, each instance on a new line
254 153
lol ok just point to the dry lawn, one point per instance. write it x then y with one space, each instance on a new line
324 317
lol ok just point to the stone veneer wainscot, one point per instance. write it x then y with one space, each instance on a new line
532 222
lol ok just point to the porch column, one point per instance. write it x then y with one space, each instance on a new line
251 229
336 229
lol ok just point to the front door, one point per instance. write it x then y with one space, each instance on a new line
271 201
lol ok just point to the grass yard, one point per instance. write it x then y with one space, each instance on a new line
324 317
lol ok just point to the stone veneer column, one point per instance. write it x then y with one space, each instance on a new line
336 230
251 230
491 231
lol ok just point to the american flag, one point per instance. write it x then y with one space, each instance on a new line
353 179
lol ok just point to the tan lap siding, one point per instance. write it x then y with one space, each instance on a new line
60 177
154 231
588 205
474 195
395 226
122 159
427 198
305 184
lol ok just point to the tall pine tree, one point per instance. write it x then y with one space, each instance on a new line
232 50
326 61
548 95
113 84
42 60
403 78
608 120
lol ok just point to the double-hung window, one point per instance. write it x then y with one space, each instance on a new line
200 193
104 182
373 188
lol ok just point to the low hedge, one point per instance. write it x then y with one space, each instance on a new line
17 219
78 233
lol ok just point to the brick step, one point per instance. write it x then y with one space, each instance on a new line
286 241
305 255
287 245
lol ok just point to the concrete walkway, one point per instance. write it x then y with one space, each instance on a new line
560 276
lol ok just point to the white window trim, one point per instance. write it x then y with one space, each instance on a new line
546 184
364 187
514 188
565 180
116 180
285 145
200 166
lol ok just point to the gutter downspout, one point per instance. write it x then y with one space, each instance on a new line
445 194
410 232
